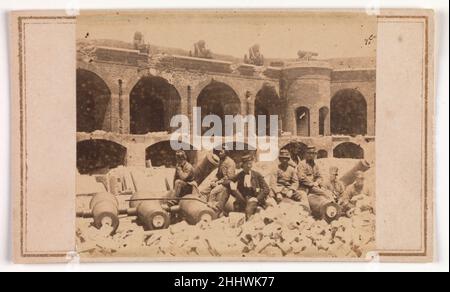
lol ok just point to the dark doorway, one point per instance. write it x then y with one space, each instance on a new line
237 150
93 103
348 113
153 103
162 154
267 103
302 117
322 154
297 150
323 118
348 150
218 99
99 156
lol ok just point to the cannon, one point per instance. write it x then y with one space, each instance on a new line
104 209
149 213
149 208
205 167
323 208
349 177
194 210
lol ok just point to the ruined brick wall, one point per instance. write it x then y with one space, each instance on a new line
309 84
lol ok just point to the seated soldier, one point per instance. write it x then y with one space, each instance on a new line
310 180
333 184
184 179
250 188
285 183
355 192
218 192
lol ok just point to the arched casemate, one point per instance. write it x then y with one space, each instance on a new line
218 98
93 99
267 103
153 103
348 113
98 156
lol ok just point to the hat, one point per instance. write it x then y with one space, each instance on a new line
247 158
285 154
311 149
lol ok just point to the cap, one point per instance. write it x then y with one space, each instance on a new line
285 154
311 149
247 158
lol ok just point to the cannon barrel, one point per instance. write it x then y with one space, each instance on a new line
349 177
204 168
149 212
323 208
104 210
194 211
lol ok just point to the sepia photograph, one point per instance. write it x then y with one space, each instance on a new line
231 134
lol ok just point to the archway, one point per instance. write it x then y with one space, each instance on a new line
267 103
348 150
348 113
322 154
153 103
297 150
93 102
236 150
323 118
162 154
302 118
99 156
218 99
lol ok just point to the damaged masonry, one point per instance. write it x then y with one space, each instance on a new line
128 199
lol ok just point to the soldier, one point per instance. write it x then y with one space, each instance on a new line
249 188
355 192
285 184
333 185
310 180
184 179
218 192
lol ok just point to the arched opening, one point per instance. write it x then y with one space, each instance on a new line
348 113
99 156
302 117
323 118
237 150
218 99
297 150
93 103
162 154
348 150
153 103
322 154
267 103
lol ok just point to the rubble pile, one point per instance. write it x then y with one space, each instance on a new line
283 230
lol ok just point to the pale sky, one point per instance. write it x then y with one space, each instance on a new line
280 36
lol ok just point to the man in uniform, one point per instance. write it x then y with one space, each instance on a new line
333 184
310 180
357 191
218 192
285 184
184 179
250 188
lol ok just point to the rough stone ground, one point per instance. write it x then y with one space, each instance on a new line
282 231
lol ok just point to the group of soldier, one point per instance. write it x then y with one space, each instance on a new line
301 182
